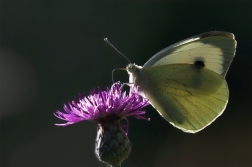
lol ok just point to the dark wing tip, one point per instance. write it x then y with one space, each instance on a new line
217 33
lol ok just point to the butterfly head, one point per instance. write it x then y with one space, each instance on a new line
133 68
133 71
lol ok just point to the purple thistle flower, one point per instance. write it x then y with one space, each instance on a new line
107 108
97 106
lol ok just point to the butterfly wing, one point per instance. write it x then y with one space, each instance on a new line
188 94
188 97
216 49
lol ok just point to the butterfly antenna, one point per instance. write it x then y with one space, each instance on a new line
110 44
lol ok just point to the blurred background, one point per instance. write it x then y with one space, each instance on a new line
52 50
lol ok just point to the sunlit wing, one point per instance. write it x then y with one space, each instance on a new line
216 49
189 97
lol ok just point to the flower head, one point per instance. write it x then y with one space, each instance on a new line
107 108
103 104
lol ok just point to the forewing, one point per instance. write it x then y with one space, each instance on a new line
216 49
190 97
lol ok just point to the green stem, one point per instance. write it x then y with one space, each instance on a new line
115 166
108 165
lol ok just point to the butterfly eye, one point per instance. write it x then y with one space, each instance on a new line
131 67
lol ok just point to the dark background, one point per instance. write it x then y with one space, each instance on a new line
52 50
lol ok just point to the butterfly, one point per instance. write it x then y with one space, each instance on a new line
185 82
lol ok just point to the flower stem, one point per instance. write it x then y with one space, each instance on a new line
108 165
115 166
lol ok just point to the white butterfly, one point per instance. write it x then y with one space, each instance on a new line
185 82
